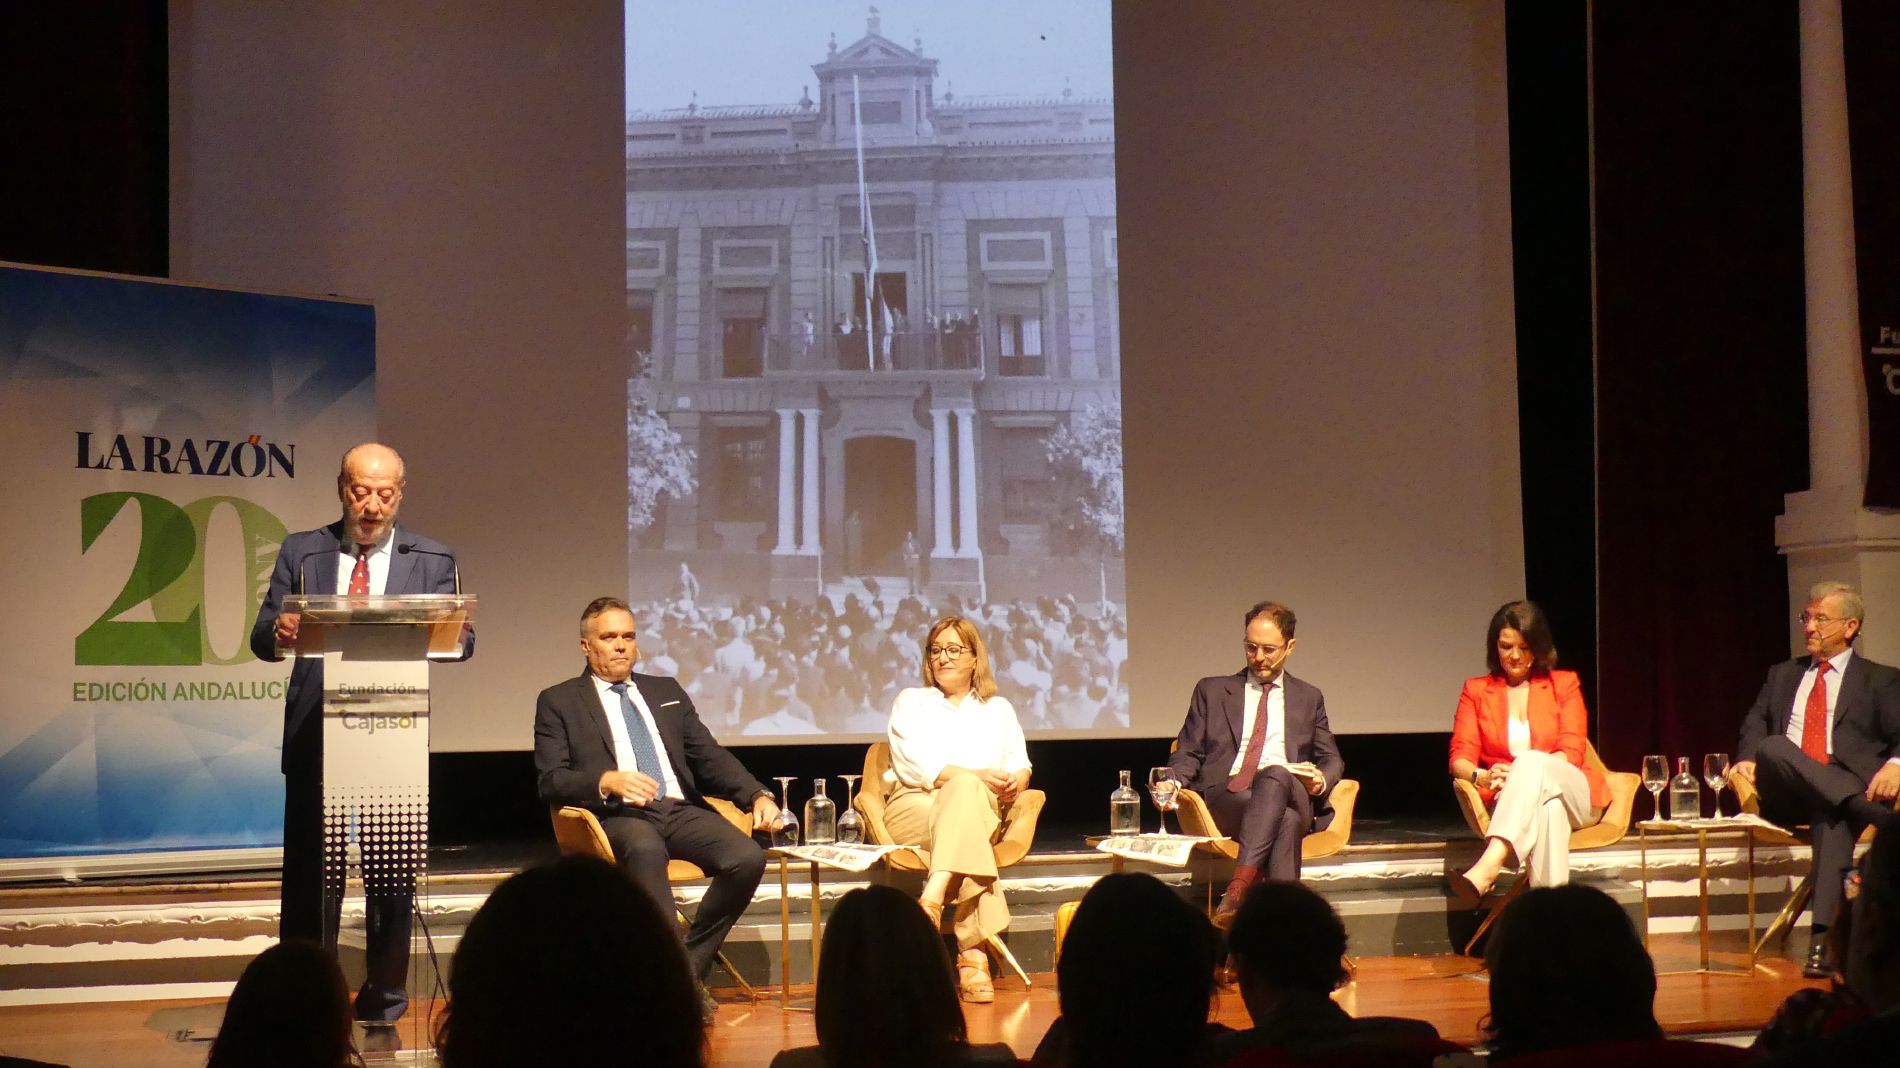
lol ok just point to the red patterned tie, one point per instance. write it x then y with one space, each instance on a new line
359 577
1256 744
1814 720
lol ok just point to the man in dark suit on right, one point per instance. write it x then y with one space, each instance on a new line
1257 747
1820 745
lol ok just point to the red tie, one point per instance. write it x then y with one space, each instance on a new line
1814 720
359 578
1256 744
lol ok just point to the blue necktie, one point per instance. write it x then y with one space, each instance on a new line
646 756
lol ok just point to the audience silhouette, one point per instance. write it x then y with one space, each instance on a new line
1289 950
1871 944
1571 984
290 1009
1135 979
886 992
570 958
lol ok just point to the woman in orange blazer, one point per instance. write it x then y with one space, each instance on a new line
1520 737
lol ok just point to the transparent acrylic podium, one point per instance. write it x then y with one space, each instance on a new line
376 652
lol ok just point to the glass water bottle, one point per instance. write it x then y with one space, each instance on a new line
1124 809
821 816
1685 793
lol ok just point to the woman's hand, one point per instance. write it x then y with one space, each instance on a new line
1495 778
1013 786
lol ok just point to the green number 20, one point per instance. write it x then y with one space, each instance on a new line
169 573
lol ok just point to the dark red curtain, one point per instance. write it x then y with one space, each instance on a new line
84 135
1700 370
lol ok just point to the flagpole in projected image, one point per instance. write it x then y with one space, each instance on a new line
864 226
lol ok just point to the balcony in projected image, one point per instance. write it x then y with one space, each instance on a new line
937 354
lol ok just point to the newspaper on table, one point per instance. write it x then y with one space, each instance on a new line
841 856
1713 823
1170 849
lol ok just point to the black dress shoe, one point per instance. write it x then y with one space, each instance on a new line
1462 888
379 1038
1817 965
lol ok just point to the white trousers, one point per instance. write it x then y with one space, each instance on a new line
1544 799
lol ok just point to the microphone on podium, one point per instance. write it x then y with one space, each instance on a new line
412 547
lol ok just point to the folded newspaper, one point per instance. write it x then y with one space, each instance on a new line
1712 823
845 857
1170 849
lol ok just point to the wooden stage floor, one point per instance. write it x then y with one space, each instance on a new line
1450 991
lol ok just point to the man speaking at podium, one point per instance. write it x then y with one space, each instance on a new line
364 553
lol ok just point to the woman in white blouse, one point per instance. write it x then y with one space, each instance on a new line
958 759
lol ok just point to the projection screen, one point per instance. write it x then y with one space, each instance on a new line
1303 358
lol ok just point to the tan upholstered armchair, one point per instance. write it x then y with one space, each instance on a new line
1610 829
578 831
1197 819
1019 820
1748 796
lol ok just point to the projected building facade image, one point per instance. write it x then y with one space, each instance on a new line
881 363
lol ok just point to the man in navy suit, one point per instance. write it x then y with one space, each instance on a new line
1820 743
1257 747
362 553
631 749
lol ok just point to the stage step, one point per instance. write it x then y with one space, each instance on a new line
127 941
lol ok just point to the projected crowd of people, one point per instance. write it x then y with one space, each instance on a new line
812 666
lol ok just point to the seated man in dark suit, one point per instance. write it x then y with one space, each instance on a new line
631 749
1289 948
1820 744
1257 747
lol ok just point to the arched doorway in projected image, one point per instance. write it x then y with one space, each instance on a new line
880 505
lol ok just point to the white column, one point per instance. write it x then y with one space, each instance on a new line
940 483
1078 266
809 544
1836 424
785 482
967 544
1824 531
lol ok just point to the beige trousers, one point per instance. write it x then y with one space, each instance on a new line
1544 799
957 824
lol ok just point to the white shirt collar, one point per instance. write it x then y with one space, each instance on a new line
380 548
603 686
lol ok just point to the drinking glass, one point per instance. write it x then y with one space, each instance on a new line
1655 777
850 824
1162 787
785 829
1715 773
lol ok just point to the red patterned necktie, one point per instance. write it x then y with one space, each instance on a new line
1814 720
1256 744
359 577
